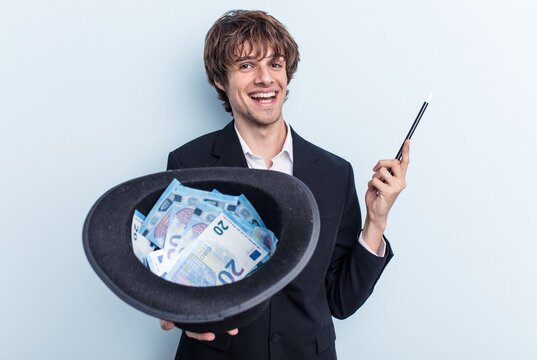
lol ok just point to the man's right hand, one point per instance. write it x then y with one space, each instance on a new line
168 325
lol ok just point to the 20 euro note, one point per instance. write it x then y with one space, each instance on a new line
222 254
158 261
203 215
180 216
221 201
180 234
247 211
186 201
155 226
263 236
140 245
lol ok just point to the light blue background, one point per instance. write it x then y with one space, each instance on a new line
96 93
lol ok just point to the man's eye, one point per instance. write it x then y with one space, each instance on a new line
245 66
276 65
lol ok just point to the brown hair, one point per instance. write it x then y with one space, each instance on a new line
237 30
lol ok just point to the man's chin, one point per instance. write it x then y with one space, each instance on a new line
264 120
268 122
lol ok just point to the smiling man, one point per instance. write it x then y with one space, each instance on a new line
250 58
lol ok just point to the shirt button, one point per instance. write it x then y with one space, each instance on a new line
276 337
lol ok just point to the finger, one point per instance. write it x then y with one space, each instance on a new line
378 185
166 325
384 175
392 165
200 336
386 163
405 160
370 186
233 332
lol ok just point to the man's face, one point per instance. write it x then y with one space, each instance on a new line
256 89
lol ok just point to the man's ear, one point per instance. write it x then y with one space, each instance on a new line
220 86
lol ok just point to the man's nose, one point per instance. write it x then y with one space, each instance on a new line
264 76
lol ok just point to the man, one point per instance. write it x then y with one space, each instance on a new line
250 59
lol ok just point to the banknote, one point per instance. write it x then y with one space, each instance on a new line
203 215
246 211
219 200
185 202
261 234
266 237
180 216
222 254
180 234
182 242
140 245
158 262
155 226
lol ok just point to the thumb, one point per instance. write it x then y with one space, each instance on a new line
166 325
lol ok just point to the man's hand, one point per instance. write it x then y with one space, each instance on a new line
382 190
168 325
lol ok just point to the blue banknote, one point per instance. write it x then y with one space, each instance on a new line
187 202
222 254
199 238
203 215
140 245
261 234
246 211
157 262
219 200
155 226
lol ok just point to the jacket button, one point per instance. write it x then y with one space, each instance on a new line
276 337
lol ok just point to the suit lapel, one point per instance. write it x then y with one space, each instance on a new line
305 163
228 152
227 148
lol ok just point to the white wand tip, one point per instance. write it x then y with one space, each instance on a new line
429 98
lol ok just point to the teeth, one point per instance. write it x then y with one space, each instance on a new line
263 95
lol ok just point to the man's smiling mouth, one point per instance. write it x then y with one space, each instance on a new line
263 98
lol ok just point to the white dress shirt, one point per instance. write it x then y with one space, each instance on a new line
283 162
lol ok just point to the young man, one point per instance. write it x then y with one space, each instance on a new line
250 59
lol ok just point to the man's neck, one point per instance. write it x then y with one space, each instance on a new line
265 141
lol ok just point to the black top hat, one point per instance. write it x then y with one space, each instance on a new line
285 204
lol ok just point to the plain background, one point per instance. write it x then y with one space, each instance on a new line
98 92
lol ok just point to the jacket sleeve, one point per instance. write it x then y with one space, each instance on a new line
353 270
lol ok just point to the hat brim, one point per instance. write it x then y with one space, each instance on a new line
285 204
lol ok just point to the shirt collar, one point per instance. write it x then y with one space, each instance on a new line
286 148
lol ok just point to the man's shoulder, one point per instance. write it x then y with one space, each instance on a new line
200 143
323 157
197 152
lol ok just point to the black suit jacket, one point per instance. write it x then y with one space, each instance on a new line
336 282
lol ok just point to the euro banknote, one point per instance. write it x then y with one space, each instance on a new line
203 215
222 254
247 211
200 238
158 262
155 226
179 237
140 245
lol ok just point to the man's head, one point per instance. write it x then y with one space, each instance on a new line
255 35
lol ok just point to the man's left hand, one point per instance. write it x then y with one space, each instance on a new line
382 190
